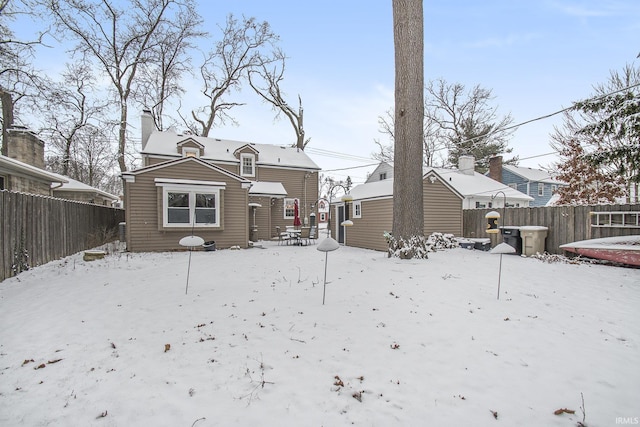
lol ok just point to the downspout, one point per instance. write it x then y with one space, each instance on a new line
60 184
304 185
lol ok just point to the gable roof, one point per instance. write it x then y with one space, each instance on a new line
222 150
130 175
18 168
531 174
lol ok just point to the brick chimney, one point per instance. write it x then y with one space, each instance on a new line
23 145
495 168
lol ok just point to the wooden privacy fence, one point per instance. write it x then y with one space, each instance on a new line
566 223
37 229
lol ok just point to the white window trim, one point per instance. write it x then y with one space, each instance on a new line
540 189
195 151
192 190
253 164
357 209
284 207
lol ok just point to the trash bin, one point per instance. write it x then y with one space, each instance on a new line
533 239
511 236
122 228
209 246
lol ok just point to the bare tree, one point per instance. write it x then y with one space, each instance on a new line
466 123
120 39
18 79
408 31
92 158
265 81
434 149
71 105
244 46
160 77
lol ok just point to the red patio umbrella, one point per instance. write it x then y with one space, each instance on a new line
296 214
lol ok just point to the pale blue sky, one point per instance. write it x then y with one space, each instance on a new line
537 57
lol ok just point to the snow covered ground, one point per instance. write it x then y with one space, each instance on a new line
116 342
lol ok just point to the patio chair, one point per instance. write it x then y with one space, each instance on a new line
305 232
283 237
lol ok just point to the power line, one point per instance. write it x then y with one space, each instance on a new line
345 156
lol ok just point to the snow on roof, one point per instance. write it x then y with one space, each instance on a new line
15 166
222 150
531 174
74 185
263 188
478 185
373 190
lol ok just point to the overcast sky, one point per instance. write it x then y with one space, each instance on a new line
537 57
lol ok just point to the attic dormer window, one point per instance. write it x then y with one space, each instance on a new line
190 152
247 164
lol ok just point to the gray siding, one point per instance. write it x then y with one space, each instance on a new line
442 209
442 213
294 182
144 211
368 231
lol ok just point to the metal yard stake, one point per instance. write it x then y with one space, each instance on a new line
326 246
502 248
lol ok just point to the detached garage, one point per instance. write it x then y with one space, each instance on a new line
371 212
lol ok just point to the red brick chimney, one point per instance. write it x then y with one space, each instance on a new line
495 168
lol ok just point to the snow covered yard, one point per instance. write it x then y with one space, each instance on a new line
116 342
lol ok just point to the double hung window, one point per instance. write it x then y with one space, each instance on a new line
247 165
190 205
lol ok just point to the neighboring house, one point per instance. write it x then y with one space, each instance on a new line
22 164
224 185
538 184
371 211
79 191
479 191
383 171
21 177
321 211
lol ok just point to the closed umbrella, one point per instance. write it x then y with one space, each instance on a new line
296 214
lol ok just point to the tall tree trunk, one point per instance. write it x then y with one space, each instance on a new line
408 37
7 118
122 137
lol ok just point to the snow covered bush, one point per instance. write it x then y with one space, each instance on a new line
442 241
416 247
419 246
